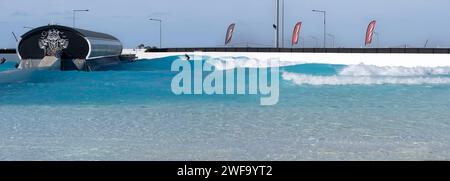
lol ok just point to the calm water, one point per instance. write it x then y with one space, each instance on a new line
325 112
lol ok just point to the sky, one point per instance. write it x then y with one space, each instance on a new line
203 23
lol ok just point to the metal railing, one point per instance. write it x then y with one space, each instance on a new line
295 50
311 50
8 51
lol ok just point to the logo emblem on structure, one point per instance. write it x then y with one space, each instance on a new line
53 42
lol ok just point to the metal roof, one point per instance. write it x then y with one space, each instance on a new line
85 33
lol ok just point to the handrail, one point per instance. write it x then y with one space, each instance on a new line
8 51
311 50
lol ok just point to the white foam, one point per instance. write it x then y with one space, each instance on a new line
228 62
370 70
370 74
377 59
302 79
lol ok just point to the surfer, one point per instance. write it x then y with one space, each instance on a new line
187 57
3 60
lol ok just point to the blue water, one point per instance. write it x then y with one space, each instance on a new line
128 112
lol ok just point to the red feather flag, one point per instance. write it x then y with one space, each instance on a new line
229 35
369 33
296 34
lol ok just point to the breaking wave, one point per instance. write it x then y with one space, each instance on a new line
373 75
308 74
227 63
369 70
302 79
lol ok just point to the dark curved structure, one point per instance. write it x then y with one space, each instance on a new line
66 48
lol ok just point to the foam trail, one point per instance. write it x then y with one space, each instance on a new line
370 70
368 75
302 79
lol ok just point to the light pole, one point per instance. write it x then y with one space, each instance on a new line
28 27
275 27
160 30
74 12
316 41
333 37
287 40
282 24
324 26
278 24
15 37
302 40
378 38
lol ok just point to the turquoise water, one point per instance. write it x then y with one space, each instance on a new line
128 112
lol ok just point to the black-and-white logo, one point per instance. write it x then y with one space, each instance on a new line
53 42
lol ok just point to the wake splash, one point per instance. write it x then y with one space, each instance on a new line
373 75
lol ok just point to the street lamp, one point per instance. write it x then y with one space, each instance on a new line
160 30
28 27
78 10
302 40
378 38
15 37
316 40
324 26
282 24
333 37
277 26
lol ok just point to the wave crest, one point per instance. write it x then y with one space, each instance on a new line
368 75
302 79
370 70
227 63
